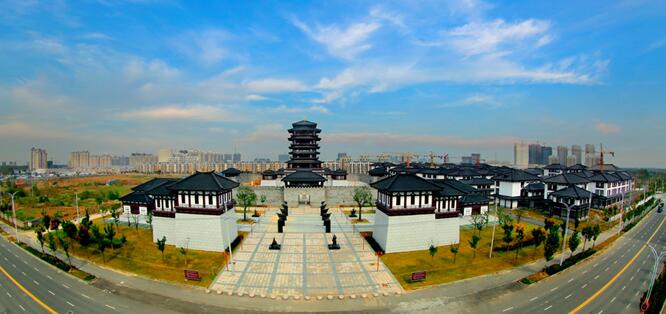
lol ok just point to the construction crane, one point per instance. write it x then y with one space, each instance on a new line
601 156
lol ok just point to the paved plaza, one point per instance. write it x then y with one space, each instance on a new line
305 267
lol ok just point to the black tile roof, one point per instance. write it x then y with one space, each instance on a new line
475 199
573 192
404 182
607 167
554 167
478 181
566 178
605 177
378 172
136 197
577 167
303 176
537 186
151 184
451 187
231 172
516 176
204 181
162 189
535 171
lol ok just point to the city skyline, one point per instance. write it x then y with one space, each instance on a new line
457 77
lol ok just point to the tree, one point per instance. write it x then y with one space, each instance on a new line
184 252
69 228
40 237
136 222
113 195
161 245
432 250
454 250
587 234
109 233
53 245
539 235
101 246
83 235
149 219
46 220
574 241
86 220
520 236
508 233
596 231
552 243
520 212
99 199
473 243
246 198
65 247
362 197
479 222
57 219
115 214
548 223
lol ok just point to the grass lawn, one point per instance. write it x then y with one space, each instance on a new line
141 256
442 269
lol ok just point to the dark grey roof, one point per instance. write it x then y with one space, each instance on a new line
537 186
516 176
605 177
151 184
378 172
535 171
623 175
231 172
475 199
451 187
554 167
162 189
304 123
607 167
577 167
566 178
404 182
478 181
572 192
138 197
204 181
303 176
268 172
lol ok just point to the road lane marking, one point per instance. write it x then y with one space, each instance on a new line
22 308
585 271
70 304
548 308
596 294
9 295
35 268
49 277
596 277
595 265
24 273
567 297
85 296
109 306
624 287
612 300
632 278
51 292
551 290
583 287
37 283
14 265
607 268
621 256
570 280
532 299
32 296
507 309
66 286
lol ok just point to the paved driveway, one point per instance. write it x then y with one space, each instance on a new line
305 267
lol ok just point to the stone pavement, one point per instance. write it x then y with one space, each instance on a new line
305 267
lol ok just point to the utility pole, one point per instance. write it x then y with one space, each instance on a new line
492 239
564 238
76 201
14 217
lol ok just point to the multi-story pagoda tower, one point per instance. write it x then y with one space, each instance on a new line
304 145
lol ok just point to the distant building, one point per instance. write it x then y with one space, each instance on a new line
546 152
283 157
577 152
79 160
520 155
341 155
262 160
476 158
562 154
236 157
137 159
466 160
590 156
534 154
38 159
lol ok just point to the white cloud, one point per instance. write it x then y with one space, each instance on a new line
174 112
607 128
274 85
343 43
137 68
313 108
487 37
254 97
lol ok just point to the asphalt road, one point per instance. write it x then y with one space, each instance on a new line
612 282
56 290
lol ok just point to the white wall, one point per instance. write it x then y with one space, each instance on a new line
414 232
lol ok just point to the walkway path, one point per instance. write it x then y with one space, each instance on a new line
305 267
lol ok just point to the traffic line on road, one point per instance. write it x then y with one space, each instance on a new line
596 294
612 300
85 296
507 309
596 277
532 299
51 292
548 308
32 296
66 286
70 304
22 308
570 280
583 286
109 306
567 297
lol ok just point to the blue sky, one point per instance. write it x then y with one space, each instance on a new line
446 76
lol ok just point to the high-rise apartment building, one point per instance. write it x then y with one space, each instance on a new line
137 159
534 154
38 159
520 155
476 158
562 154
590 155
577 152
236 157
546 152
79 160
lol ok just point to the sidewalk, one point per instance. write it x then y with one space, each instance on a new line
184 297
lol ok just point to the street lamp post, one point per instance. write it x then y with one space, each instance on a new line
653 275
566 229
14 216
492 239
76 201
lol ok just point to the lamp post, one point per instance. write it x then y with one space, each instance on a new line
76 201
492 238
653 275
14 216
566 229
